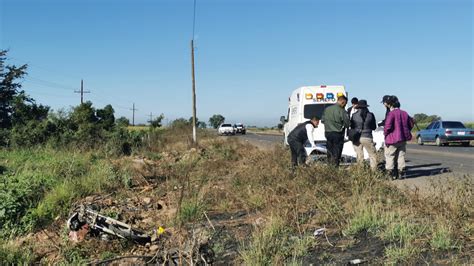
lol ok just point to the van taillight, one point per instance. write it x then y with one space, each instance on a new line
323 86
449 132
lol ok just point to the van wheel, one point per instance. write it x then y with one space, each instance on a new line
465 144
438 141
419 140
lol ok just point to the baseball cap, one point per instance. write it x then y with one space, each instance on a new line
385 98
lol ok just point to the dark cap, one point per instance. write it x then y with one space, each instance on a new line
385 98
354 100
362 104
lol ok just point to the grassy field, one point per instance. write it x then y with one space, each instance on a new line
254 209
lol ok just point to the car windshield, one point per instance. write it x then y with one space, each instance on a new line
311 110
226 125
453 124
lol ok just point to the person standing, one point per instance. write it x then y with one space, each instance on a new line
351 110
364 122
385 100
397 131
336 120
297 139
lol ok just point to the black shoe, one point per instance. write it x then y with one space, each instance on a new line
393 174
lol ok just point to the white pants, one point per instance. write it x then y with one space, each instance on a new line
396 152
369 145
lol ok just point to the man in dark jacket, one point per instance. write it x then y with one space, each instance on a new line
364 122
297 139
335 120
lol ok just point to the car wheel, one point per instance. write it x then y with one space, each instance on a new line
438 142
419 140
465 144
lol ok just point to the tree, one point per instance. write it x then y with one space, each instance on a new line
9 89
157 121
199 124
106 118
122 121
84 123
424 118
180 122
216 120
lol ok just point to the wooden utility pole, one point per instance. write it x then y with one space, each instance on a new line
82 91
133 116
151 117
194 93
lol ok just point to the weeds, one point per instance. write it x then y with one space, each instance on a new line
190 211
274 244
401 254
227 176
42 184
367 218
441 237
401 230
13 255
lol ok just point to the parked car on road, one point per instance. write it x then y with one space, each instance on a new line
226 129
445 132
240 128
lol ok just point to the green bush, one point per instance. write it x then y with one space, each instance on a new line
38 185
11 255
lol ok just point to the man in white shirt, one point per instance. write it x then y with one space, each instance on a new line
297 139
351 110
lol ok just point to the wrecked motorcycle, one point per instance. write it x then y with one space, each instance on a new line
84 220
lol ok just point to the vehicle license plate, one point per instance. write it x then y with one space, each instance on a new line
462 133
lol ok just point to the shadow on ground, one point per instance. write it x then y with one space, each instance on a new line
420 170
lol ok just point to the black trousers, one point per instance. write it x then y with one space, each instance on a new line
298 153
334 145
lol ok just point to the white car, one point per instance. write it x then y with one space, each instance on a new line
226 129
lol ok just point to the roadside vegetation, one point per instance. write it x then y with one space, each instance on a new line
244 204
276 211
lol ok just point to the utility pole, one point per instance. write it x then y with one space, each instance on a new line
151 117
82 91
193 78
194 93
133 116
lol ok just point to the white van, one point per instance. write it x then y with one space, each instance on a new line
308 101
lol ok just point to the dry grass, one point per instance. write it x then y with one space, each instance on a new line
282 208
231 176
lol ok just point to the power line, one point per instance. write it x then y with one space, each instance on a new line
48 83
55 85
58 85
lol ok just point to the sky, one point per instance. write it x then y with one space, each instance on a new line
249 55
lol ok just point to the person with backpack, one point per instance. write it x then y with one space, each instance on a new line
397 131
363 122
297 139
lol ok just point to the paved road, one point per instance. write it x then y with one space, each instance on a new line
423 161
